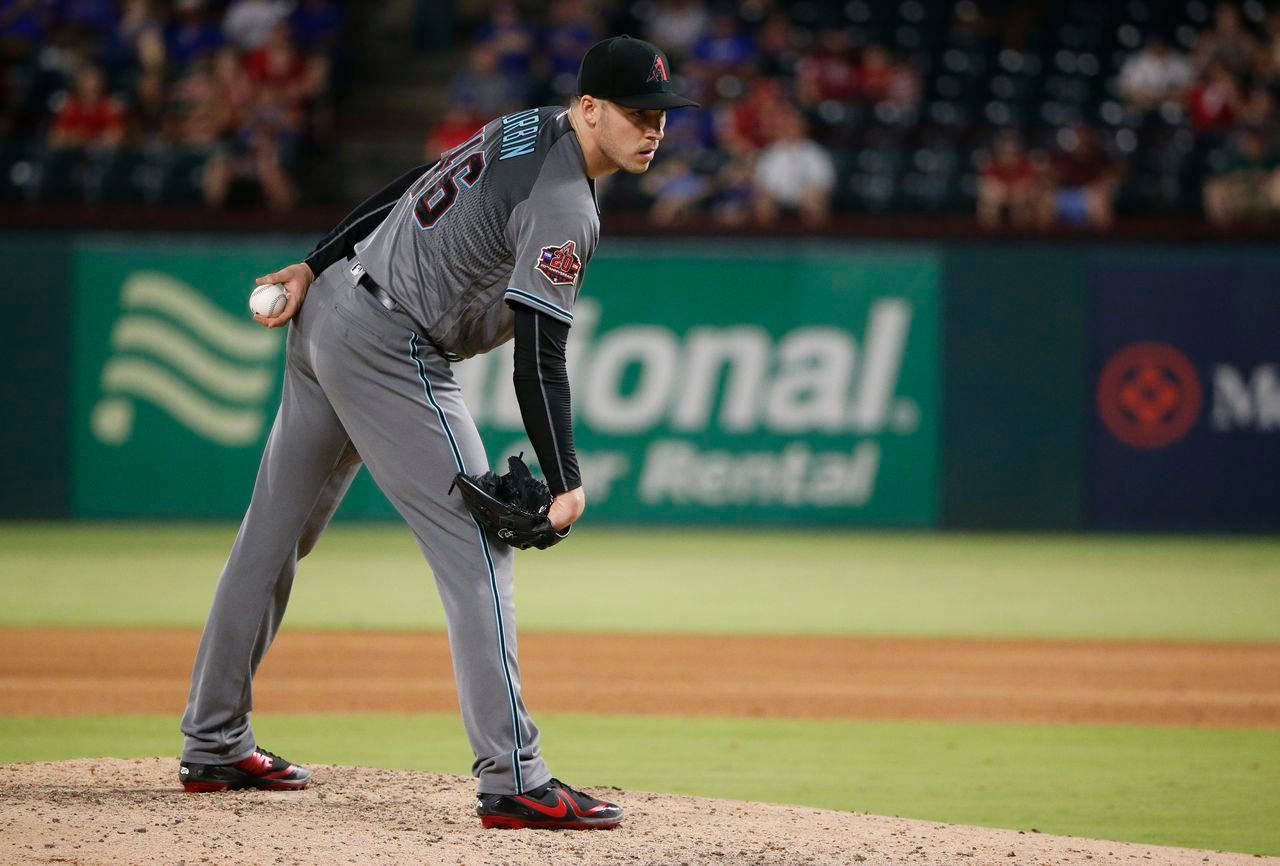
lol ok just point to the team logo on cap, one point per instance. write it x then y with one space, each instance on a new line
659 70
560 265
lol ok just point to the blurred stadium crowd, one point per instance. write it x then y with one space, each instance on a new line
1025 114
148 101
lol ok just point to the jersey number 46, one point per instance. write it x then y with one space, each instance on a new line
437 190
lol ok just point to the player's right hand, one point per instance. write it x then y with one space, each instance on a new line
296 279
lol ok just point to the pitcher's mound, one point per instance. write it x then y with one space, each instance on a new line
132 811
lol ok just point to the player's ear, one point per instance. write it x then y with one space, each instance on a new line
591 109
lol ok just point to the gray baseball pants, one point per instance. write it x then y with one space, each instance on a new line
360 385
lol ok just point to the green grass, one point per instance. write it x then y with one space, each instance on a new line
1174 786
1182 588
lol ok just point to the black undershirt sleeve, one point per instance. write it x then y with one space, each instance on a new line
542 390
340 243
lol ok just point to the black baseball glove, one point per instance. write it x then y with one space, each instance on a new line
513 506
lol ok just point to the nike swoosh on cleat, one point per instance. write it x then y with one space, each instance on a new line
558 811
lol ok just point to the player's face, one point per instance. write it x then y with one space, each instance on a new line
629 136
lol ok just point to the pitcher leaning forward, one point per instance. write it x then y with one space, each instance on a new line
446 262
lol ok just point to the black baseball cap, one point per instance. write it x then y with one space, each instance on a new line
630 72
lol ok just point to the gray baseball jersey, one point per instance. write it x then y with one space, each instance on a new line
510 213
508 217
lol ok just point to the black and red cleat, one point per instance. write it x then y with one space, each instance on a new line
261 770
554 806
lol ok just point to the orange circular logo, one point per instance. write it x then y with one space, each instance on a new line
1149 395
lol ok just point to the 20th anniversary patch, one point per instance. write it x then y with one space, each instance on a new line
560 264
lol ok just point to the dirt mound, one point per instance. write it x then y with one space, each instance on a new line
113 810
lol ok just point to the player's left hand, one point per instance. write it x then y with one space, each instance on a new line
566 508
296 279
513 507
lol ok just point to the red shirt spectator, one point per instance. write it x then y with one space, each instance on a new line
1007 183
276 64
751 119
88 122
1213 100
875 74
1079 161
1082 167
1014 169
828 73
89 116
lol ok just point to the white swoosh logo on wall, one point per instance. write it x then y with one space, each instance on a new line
173 297
145 379
233 382
177 350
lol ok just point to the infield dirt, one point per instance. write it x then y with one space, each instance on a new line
107 671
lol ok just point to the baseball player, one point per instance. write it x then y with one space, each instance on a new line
446 262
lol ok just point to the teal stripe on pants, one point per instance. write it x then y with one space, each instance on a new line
484 546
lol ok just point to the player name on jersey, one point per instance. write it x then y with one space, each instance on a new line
519 134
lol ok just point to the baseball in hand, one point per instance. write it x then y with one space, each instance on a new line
268 300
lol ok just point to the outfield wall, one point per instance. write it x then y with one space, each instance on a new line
1036 386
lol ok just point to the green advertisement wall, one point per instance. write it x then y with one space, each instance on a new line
1016 407
778 385
35 388
915 385
172 385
